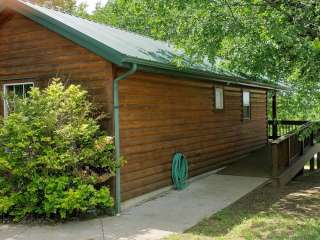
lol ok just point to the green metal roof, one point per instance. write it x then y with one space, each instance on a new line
124 48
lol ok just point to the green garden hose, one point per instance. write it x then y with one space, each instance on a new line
179 171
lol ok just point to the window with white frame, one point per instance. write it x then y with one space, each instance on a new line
246 108
13 91
219 98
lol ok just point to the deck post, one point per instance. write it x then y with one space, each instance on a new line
302 147
301 172
275 160
312 164
289 150
274 116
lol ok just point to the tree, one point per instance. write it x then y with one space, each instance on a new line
273 39
68 6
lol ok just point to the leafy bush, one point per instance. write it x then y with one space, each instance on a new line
54 159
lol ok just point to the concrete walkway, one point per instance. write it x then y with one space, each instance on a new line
173 212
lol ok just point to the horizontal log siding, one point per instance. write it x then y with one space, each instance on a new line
30 50
160 115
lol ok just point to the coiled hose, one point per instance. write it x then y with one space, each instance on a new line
179 171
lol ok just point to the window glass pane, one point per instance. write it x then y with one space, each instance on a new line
8 99
246 112
27 88
18 90
219 98
246 98
10 91
246 104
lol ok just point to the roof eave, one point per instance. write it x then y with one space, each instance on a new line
199 74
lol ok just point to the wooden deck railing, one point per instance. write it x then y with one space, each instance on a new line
278 128
287 148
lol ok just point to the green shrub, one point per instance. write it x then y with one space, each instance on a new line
54 157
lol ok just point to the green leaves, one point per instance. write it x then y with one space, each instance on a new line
5 204
54 158
69 6
65 196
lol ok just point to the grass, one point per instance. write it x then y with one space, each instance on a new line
291 212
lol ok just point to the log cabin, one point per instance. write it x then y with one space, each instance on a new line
212 116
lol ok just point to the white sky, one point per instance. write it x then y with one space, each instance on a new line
92 3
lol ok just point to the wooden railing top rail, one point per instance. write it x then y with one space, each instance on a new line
286 136
288 122
279 128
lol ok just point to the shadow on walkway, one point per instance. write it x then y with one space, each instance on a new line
256 164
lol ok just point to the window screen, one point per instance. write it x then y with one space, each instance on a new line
219 104
246 111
